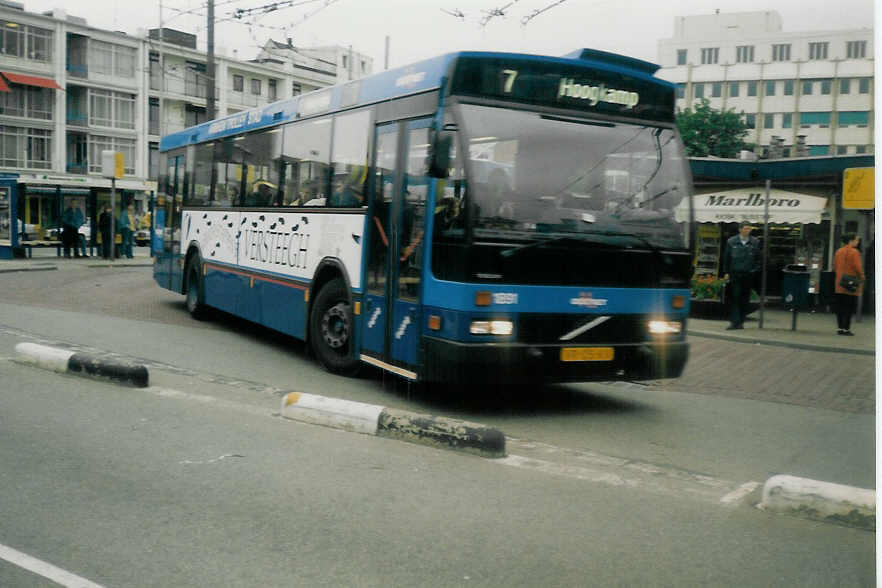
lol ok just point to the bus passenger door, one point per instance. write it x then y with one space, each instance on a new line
391 321
168 223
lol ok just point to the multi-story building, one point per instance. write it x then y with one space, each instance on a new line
801 93
316 67
69 91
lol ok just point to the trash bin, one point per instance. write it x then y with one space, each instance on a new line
795 286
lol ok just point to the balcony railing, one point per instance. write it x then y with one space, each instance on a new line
246 99
77 168
77 71
75 119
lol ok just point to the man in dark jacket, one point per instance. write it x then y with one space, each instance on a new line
741 262
71 220
104 226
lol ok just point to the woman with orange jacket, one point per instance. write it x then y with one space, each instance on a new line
847 261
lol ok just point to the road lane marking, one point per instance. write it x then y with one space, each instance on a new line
42 568
739 493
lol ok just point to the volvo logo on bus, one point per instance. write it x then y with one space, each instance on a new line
588 301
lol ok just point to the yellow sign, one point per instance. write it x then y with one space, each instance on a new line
118 165
858 190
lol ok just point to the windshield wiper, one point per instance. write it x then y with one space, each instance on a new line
536 245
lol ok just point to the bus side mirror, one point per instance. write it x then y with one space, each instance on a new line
439 155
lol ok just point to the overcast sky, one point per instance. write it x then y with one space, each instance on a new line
425 28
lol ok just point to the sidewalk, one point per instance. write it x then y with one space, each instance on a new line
814 331
46 259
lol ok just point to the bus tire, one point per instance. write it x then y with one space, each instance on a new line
331 329
195 295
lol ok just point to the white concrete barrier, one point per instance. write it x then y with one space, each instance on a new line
819 500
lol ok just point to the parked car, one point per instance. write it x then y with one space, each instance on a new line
85 233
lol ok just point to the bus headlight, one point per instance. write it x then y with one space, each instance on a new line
665 327
491 328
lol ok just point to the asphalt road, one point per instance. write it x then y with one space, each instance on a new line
197 481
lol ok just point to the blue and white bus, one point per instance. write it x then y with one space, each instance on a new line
477 216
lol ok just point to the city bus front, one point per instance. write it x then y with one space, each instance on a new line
555 252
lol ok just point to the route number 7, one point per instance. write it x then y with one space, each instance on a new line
510 75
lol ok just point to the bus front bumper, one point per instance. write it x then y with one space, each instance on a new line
452 361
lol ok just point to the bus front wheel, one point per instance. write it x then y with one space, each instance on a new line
331 329
195 290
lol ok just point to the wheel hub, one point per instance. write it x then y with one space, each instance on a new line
335 326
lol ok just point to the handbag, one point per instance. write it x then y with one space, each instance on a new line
850 283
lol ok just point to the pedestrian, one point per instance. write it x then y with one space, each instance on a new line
126 225
104 222
847 262
71 219
741 263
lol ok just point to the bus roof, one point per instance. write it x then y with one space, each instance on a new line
415 78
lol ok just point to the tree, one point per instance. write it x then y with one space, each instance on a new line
710 132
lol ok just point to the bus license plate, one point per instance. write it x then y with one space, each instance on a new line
586 354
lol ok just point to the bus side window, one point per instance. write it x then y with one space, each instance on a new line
261 151
201 180
351 137
228 167
306 152
413 216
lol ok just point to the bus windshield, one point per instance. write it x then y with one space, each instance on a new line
534 176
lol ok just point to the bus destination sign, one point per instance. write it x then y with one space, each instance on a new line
562 85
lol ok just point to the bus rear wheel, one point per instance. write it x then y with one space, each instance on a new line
331 329
196 290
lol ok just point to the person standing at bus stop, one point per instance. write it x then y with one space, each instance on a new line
104 222
126 226
71 219
741 263
847 261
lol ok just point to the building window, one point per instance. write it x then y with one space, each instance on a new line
818 50
819 150
841 149
17 40
807 88
733 89
710 55
768 121
98 143
111 109
787 120
750 119
770 88
744 54
272 90
255 87
27 101
681 56
860 149
864 85
698 90
781 52
296 89
153 161
111 60
844 86
153 116
238 83
751 88
345 61
25 148
808 119
785 152
855 49
826 86
788 87
194 115
717 89
853 118
681 90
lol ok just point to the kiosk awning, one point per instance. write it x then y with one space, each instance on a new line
748 204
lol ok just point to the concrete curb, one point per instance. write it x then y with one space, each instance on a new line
372 419
804 346
43 268
81 364
821 501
